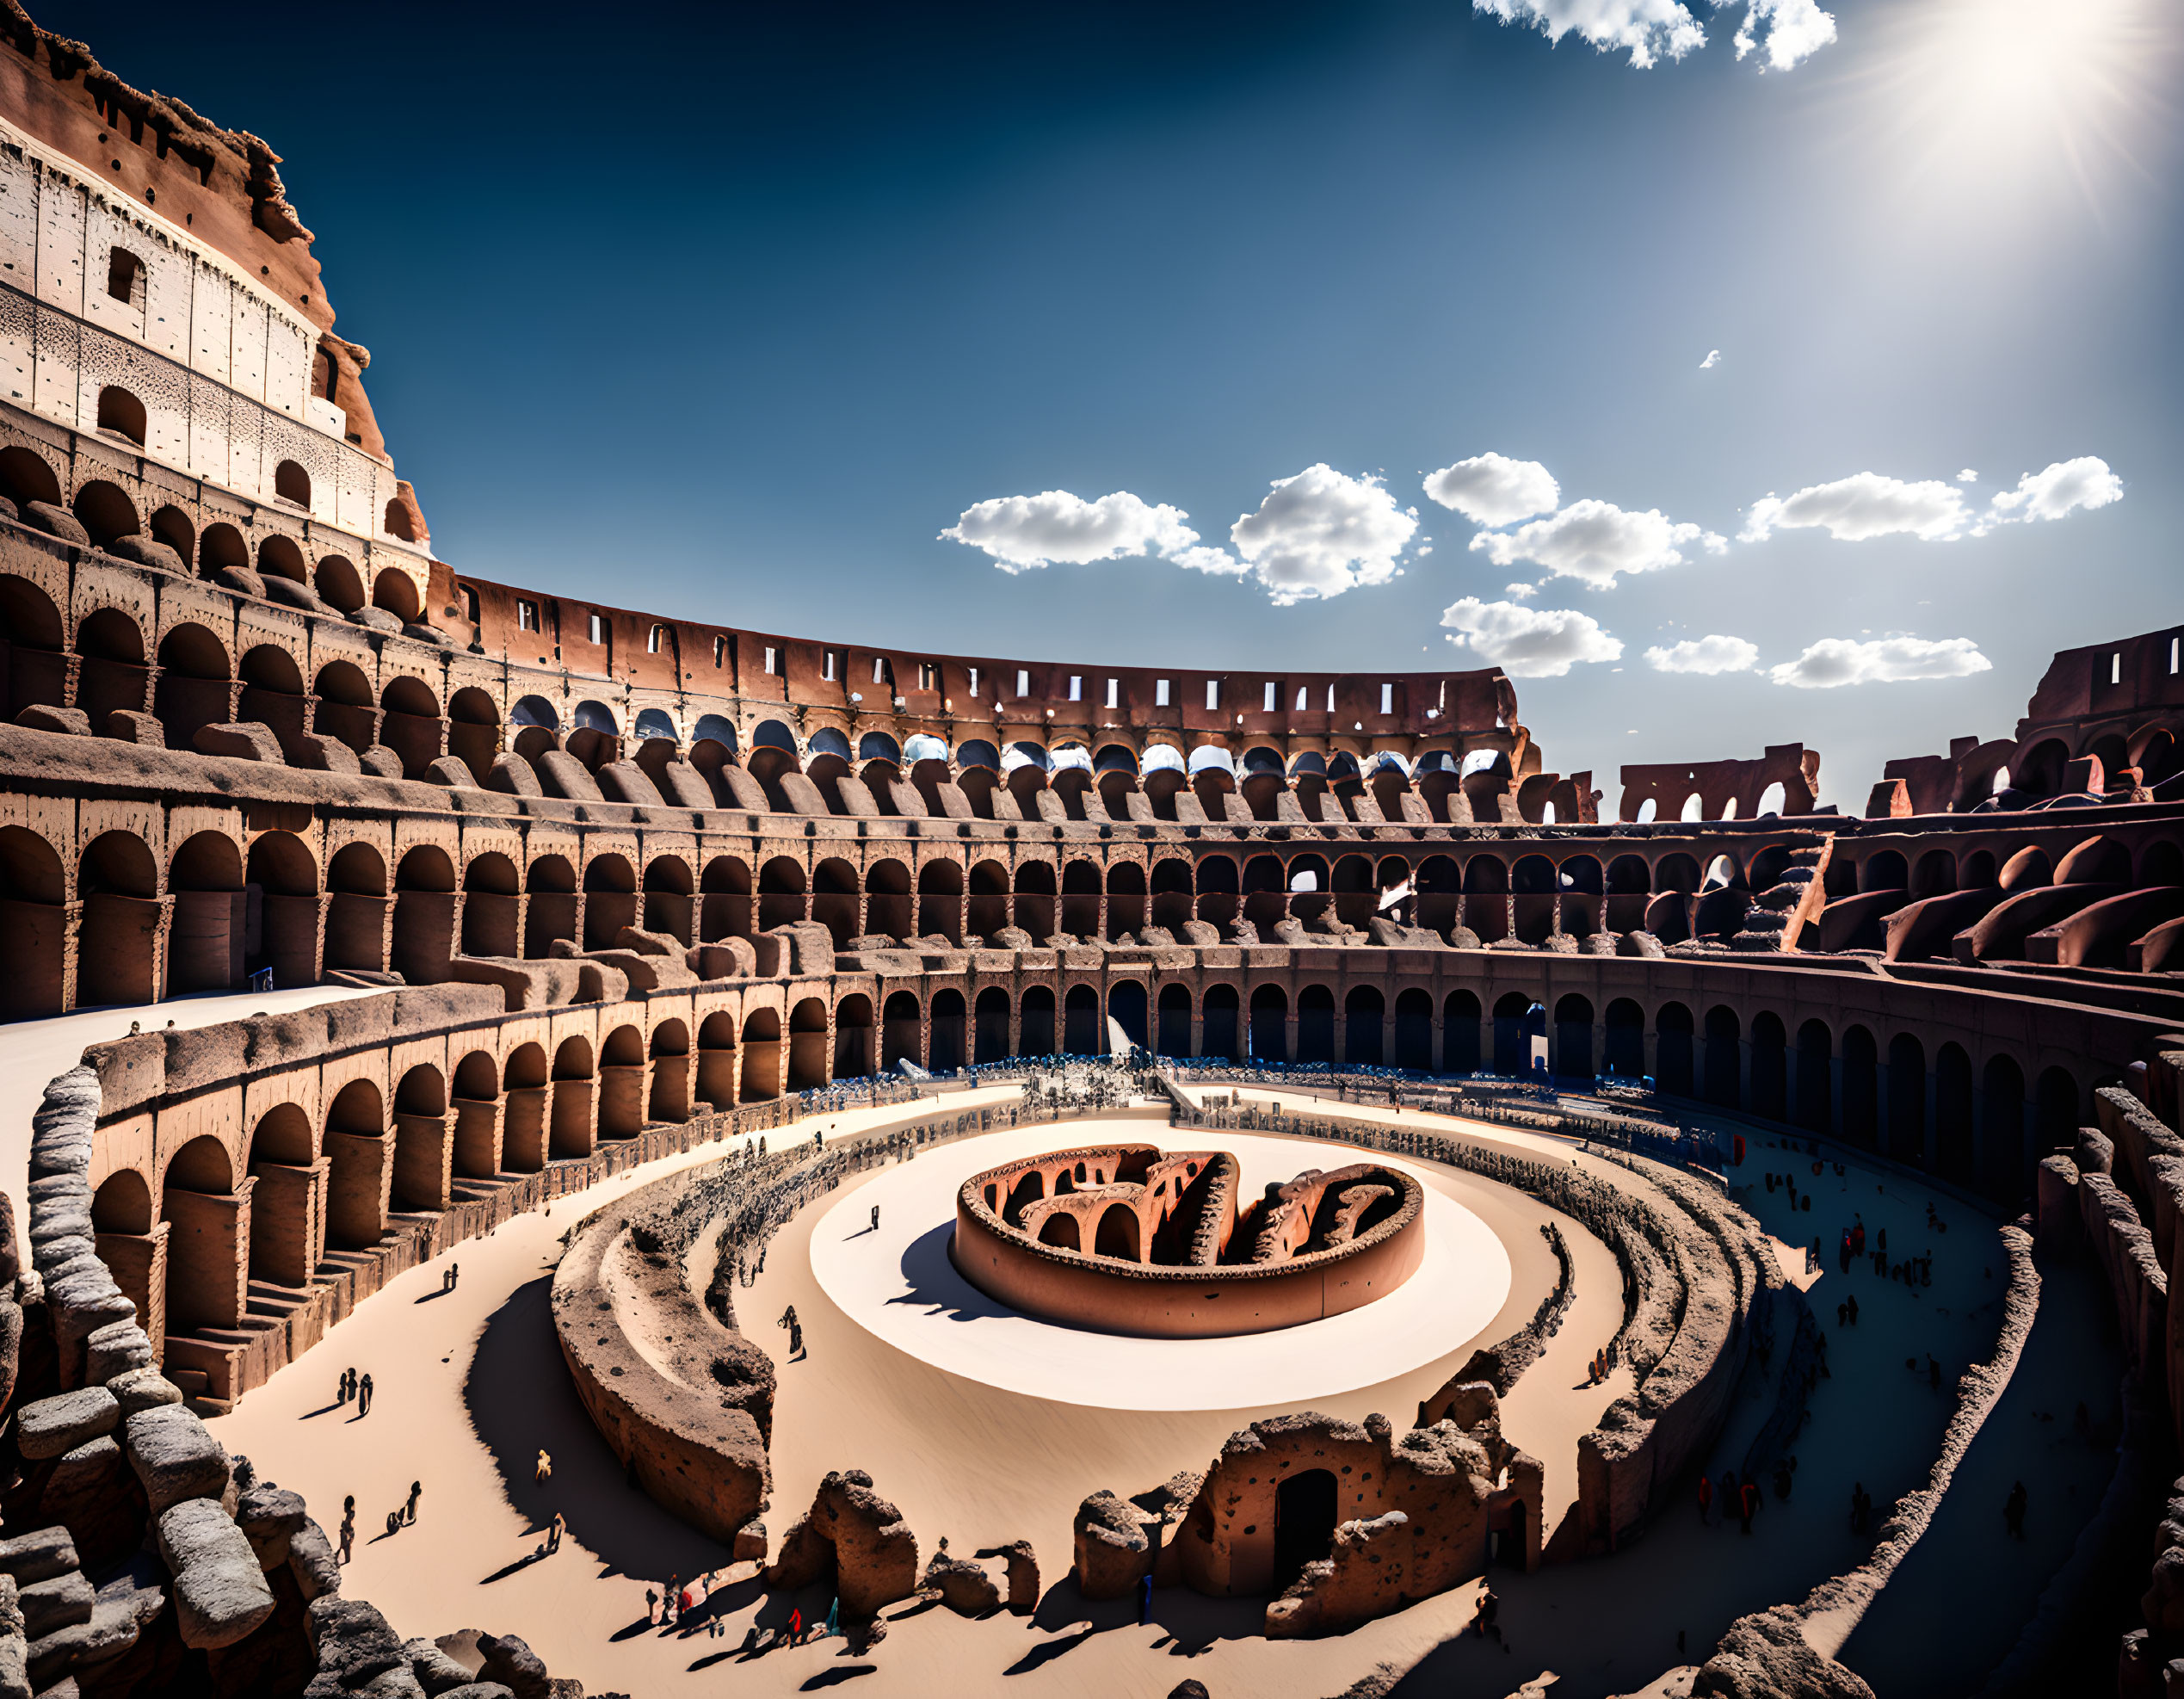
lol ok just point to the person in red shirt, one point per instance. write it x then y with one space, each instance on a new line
1706 1497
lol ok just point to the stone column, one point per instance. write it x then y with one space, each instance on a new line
71 680
1440 1038
524 1114
574 1118
139 1264
477 1137
359 1184
288 1221
423 1160
208 1257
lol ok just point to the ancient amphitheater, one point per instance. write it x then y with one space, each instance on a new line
1052 1178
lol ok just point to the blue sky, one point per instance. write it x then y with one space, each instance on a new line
731 313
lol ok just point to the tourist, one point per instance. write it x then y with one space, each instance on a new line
409 1511
394 1521
1933 1373
788 1315
875 1218
544 1470
2014 1511
1484 1619
795 1627
834 1609
651 1607
1851 1306
1144 1600
1842 1252
1747 1503
1842 1315
1706 1498
364 1396
796 1339
341 1388
555 1530
670 1601
348 1527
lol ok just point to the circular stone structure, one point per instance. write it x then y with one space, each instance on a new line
1131 1238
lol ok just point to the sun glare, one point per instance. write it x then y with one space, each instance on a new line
1998 100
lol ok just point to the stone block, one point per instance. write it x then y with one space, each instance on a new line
381 762
271 1517
175 1455
55 521
312 1563
220 1594
128 726
142 551
43 717
506 1660
57 1602
243 740
143 1389
38 1554
318 753
50 1426
117 1348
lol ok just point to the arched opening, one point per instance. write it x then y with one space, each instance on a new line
492 906
112 674
122 414
1953 1113
573 1122
281 557
423 937
117 884
1860 1088
1081 1029
1674 1071
171 526
621 1084
1907 1099
1770 1067
1117 1234
987 907
940 901
717 1060
780 892
474 730
1816 1089
1125 899
1414 1031
206 937
807 1045
1060 1230
1035 1031
359 910
902 1032
105 512
889 910
670 905
1574 1037
1460 1015
291 483
525 1097
2054 1112
192 687
209 1238
2002 1166
1314 1025
410 724
1623 1039
1269 1024
30 641
27 476
724 899
549 907
220 547
477 1134
395 592
762 1046
423 1157
1305 1516
835 902
854 1055
338 583
990 1023
1365 1015
610 900
359 1181
1172 1034
1126 1008
1724 1062
1512 1034
33 926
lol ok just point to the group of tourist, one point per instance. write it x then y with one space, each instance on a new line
401 1516
352 1388
1739 1499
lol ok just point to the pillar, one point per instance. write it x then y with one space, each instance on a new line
138 1265
288 1221
423 1160
359 1187
574 1128
523 1147
208 1256
476 1137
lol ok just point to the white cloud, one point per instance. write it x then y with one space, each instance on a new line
1218 561
1712 359
1787 32
1024 531
1523 592
1865 504
1705 654
2064 487
1494 488
1528 642
1321 533
1596 541
1795 30
1843 660
1967 476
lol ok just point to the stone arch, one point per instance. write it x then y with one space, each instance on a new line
395 592
1060 1230
573 1117
1724 1059
117 883
2001 1129
31 638
808 1045
854 1052
1574 1037
1316 1025
1815 1106
359 1176
1117 1235
27 476
718 1054
891 911
668 1049
780 892
1035 1027
1860 1087
1953 1128
550 904
990 1023
1081 1028
761 1047
670 902
282 557
423 941
724 900
194 684
105 512
1269 1024
940 899
621 1095
219 546
208 1226
610 898
492 906
474 730
206 932
33 926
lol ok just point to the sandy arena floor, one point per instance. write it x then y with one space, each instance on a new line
470 1386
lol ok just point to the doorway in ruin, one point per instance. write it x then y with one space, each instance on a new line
1304 1524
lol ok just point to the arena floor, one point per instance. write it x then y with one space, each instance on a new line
469 1387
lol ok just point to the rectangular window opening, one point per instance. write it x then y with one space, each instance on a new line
1212 692
720 652
1076 688
1387 698
527 616
597 629
773 660
1331 699
652 641
1114 685
1273 697
1023 683
2115 668
1160 692
831 666
974 681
